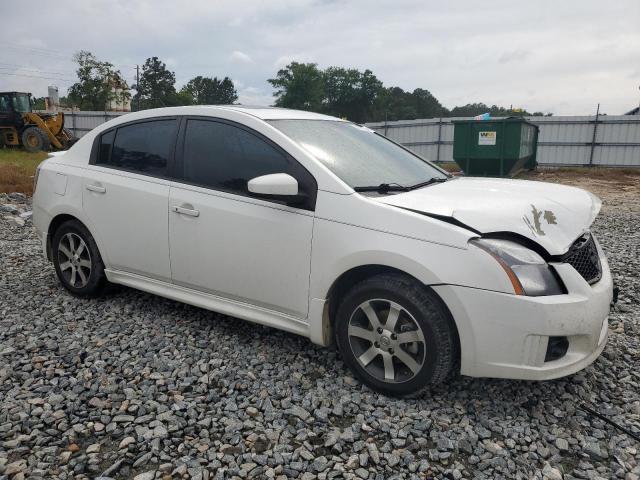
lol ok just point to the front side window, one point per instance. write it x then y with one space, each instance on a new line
4 103
141 147
357 155
225 157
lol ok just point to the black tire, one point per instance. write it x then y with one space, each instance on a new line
34 140
437 348
95 276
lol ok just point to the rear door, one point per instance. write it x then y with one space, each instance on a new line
126 192
224 240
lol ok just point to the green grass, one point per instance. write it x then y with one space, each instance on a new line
17 169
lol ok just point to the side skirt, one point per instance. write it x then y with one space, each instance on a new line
207 301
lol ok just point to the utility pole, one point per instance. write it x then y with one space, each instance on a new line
138 84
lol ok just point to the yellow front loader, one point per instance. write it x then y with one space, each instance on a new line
20 125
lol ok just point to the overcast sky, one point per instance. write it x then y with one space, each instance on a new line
560 56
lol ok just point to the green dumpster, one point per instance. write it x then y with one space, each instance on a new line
495 148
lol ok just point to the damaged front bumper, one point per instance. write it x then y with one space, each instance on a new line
532 338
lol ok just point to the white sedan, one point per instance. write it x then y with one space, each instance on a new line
326 229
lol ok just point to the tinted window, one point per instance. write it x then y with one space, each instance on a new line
106 142
226 157
358 155
4 103
142 147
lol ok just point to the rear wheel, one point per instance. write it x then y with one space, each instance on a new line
34 139
395 335
77 260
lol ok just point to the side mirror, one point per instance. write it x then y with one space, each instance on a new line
274 185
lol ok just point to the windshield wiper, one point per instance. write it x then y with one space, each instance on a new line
383 188
428 182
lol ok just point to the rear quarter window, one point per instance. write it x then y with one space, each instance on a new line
140 147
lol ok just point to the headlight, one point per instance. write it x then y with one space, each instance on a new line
528 272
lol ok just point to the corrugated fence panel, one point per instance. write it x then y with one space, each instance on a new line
80 123
562 140
563 155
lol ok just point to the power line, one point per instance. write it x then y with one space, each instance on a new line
41 52
26 47
47 55
35 70
26 67
37 76
53 53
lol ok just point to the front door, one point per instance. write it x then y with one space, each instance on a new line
225 241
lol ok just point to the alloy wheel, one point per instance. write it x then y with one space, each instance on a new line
386 340
74 260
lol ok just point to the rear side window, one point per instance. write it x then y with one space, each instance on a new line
106 142
140 147
225 157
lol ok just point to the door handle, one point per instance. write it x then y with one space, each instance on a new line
96 188
186 211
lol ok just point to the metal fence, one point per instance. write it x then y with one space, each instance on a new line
612 141
82 122
605 140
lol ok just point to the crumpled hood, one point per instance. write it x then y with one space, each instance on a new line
551 215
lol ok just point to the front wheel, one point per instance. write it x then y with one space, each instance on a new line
395 335
34 140
77 260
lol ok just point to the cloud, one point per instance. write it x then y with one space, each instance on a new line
255 96
284 60
514 55
545 55
240 57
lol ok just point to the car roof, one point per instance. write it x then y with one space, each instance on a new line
276 113
261 112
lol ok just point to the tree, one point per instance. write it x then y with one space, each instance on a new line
183 98
396 104
361 97
39 103
157 86
473 109
350 93
427 106
210 91
96 81
300 86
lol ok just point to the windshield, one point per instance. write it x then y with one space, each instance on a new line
21 103
357 155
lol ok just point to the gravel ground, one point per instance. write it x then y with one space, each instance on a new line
136 386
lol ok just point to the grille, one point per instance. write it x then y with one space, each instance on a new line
583 256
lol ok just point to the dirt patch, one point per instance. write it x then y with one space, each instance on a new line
14 179
617 187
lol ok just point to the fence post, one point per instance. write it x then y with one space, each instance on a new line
386 127
73 123
593 140
439 139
